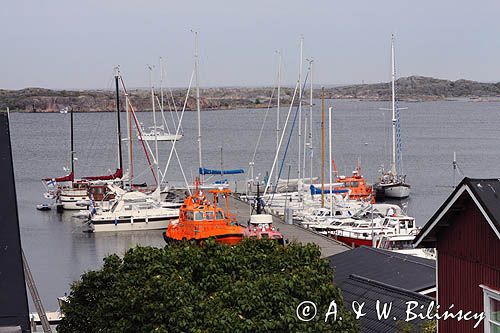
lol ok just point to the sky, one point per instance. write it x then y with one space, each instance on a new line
65 44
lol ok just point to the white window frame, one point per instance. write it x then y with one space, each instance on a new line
488 294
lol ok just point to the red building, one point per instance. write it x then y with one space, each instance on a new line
466 234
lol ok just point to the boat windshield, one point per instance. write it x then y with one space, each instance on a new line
114 206
219 215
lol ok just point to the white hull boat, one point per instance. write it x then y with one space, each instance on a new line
156 223
160 137
133 211
398 191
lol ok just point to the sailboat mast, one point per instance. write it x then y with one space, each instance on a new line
330 156
129 133
161 85
311 121
118 123
278 110
154 126
198 110
72 146
300 113
393 77
322 147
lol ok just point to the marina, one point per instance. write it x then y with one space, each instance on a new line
202 168
43 232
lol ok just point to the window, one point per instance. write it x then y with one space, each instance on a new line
209 215
219 215
491 309
198 216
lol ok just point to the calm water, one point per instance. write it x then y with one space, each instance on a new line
59 252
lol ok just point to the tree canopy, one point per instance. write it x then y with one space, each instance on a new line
255 286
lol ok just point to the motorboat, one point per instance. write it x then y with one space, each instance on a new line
200 219
404 244
261 226
132 211
43 207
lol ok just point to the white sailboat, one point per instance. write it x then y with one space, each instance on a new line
158 133
393 183
135 210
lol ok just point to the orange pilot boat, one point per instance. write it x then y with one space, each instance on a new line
357 186
358 189
199 220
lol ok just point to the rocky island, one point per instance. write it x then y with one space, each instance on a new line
413 88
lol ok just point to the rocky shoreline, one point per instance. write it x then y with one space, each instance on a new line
410 89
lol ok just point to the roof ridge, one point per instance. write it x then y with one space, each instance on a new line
399 256
387 286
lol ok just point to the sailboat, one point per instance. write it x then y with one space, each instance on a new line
158 132
393 182
134 210
71 193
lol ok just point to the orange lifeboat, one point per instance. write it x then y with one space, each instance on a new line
199 219
359 190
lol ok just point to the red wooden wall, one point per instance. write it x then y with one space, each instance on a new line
468 255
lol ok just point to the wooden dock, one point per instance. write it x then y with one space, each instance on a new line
292 232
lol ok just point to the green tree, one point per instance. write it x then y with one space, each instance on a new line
255 286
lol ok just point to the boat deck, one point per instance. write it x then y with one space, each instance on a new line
292 232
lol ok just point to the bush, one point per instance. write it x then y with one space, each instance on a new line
252 287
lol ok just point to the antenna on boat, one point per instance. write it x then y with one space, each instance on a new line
222 166
198 110
118 123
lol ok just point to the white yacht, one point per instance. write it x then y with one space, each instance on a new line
133 211
158 133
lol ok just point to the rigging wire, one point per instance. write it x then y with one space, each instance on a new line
289 139
263 124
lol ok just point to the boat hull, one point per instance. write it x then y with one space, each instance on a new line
354 242
228 239
108 226
70 204
397 191
162 137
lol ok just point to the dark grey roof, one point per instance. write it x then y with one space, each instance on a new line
360 289
487 194
391 268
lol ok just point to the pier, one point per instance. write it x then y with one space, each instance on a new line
291 232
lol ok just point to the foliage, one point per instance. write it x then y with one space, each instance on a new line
252 287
